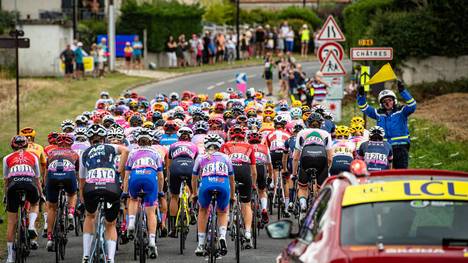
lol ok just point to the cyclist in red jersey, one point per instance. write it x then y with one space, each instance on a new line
242 156
52 139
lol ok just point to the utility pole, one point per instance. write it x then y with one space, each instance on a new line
111 35
237 29
304 3
75 17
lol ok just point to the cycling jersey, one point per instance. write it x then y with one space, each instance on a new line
328 126
276 142
144 163
80 147
313 136
343 155
182 154
168 139
49 148
290 125
377 154
198 140
62 166
38 150
358 140
262 159
214 170
129 133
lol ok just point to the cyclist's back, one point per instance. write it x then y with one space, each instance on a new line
376 152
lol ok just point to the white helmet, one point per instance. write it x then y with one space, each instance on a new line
213 139
186 130
377 130
387 93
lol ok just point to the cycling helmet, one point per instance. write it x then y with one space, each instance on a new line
157 135
108 118
218 97
269 113
133 104
241 119
219 107
174 96
156 116
328 115
357 128
104 93
237 108
213 140
96 130
135 121
269 104
342 130
159 98
283 106
357 120
159 107
185 130
280 120
52 137
81 120
254 123
251 113
200 126
237 131
259 95
228 115
197 112
297 104
376 131
385 94
28 132
305 115
142 133
186 94
170 125
358 168
314 117
298 127
148 125
296 113
64 139
68 124
111 108
80 132
88 114
305 108
254 137
205 105
319 109
19 142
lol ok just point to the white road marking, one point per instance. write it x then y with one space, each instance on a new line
231 80
220 83
211 87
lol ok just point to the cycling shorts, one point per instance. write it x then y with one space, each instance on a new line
244 179
261 176
315 157
146 180
21 183
209 184
110 194
340 164
276 159
54 180
181 168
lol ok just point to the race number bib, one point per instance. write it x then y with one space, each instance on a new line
101 175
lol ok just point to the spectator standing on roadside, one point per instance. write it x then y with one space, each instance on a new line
128 53
269 40
199 52
268 72
101 61
244 46
181 50
193 46
79 66
317 42
318 88
220 47
94 54
105 52
68 58
289 41
250 42
259 41
279 41
393 118
137 47
305 38
206 48
231 49
171 47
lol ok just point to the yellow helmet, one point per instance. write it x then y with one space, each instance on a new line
305 108
133 104
259 95
269 113
296 103
203 97
159 107
357 120
306 115
357 128
269 104
28 132
148 124
218 96
342 130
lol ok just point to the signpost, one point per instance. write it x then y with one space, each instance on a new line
330 47
331 66
365 76
371 53
331 31
16 42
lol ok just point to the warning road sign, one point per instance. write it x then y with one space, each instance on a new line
365 76
330 47
331 31
331 66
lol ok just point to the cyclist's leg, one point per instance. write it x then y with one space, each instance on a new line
223 213
163 209
13 204
71 187
303 183
32 196
175 178
91 203
262 193
242 175
150 187
52 199
135 184
204 198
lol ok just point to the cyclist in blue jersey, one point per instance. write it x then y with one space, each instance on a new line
170 134
216 172
376 152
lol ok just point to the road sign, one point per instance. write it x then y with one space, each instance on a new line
365 77
365 42
336 87
331 66
371 53
334 106
330 46
7 42
331 31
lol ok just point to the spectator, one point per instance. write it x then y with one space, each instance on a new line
193 42
231 49
250 42
212 48
94 54
68 57
259 41
244 46
137 47
101 60
279 41
206 48
305 38
171 47
317 43
268 72
180 50
270 40
220 47
105 52
289 41
128 53
79 66
199 52
319 88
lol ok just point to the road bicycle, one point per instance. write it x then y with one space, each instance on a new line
98 247
183 215
314 189
140 243
60 226
278 195
22 244
211 246
236 224
256 223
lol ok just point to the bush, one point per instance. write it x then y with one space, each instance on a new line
7 21
429 90
220 13
161 19
89 29
275 18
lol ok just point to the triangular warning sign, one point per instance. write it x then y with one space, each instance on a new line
331 66
331 31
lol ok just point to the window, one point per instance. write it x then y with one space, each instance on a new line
314 222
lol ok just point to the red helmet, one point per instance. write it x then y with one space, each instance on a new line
215 121
101 106
358 168
134 95
64 139
52 137
233 96
170 124
219 107
184 105
237 131
254 137
149 115
19 142
186 95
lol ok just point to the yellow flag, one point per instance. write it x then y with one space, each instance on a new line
293 99
384 74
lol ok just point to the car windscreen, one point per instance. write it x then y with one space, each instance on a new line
415 222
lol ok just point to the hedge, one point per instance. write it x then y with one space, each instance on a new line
161 19
7 21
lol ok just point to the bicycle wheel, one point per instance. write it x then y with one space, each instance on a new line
181 228
213 240
237 233
57 235
20 236
254 221
280 202
142 236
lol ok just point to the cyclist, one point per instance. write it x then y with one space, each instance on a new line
98 179
357 131
200 128
279 156
68 126
376 152
313 150
62 168
170 134
182 155
216 125
263 163
242 156
52 140
144 173
135 122
343 151
81 141
21 172
216 172
291 145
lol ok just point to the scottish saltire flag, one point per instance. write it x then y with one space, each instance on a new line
241 82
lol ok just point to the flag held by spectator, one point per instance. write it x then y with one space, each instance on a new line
384 74
241 82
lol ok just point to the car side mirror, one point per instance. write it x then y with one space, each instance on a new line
280 229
